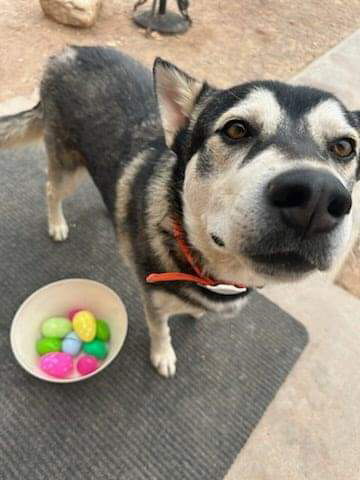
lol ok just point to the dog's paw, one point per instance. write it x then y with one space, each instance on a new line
163 359
59 231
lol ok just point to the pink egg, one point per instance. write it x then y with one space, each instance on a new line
73 312
87 364
57 364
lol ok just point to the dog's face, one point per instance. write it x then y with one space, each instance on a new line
268 174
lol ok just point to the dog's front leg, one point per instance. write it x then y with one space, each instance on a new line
162 354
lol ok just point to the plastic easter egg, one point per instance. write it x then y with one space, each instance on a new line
57 364
56 327
87 364
97 348
46 345
73 312
102 330
84 324
71 344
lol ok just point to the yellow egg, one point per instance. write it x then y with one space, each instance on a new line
84 324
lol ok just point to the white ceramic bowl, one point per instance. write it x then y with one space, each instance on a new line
57 299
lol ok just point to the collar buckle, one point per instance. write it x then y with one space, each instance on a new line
223 289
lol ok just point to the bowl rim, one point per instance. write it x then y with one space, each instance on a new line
45 287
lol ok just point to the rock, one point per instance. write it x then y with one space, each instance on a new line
78 13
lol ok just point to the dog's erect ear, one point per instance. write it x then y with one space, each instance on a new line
176 94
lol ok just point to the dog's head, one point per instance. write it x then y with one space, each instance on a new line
266 173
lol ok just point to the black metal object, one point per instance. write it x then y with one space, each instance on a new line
161 20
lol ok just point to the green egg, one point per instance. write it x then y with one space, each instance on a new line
56 327
102 331
96 348
47 345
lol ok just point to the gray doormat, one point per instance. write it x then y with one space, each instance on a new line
127 423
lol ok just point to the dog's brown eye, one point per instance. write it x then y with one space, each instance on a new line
235 130
343 148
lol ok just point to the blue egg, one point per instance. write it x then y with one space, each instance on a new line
71 344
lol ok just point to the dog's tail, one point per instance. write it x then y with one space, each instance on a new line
21 127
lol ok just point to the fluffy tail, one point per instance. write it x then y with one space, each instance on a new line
22 127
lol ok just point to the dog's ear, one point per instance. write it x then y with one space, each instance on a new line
176 93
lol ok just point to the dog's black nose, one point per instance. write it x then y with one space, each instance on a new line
309 201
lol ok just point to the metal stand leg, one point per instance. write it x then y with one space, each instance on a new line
152 17
163 21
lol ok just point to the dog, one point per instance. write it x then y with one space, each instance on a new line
212 192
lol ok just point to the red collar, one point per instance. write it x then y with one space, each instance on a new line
198 276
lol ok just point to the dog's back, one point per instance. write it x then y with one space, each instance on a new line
99 104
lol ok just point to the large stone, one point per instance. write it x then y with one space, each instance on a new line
78 13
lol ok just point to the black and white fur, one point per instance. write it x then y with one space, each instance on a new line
156 153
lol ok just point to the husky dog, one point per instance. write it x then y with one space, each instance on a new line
212 192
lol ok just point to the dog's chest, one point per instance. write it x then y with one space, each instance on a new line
196 305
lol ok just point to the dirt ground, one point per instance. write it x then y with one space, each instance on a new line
231 40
